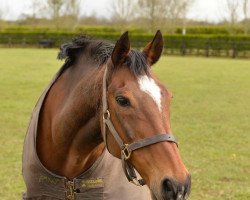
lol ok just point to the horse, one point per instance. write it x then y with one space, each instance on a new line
104 121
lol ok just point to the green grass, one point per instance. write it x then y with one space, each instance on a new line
210 116
23 75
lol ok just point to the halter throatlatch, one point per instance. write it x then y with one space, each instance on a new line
127 149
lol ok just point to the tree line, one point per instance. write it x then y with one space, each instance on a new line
146 14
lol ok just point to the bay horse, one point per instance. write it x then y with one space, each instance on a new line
104 120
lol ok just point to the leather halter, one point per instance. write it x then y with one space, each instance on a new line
127 149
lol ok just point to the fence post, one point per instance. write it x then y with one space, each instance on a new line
9 42
183 47
24 42
171 49
207 49
235 50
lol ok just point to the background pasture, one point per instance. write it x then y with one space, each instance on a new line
210 116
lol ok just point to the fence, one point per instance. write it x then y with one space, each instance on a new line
209 48
172 47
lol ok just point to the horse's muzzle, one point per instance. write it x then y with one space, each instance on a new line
172 190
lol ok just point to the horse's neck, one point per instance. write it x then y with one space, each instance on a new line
70 124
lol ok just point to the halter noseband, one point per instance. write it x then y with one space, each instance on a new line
127 149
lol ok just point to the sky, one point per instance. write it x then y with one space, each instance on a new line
209 10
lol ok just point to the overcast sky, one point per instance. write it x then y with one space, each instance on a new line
210 10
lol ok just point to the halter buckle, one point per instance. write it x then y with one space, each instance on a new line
126 152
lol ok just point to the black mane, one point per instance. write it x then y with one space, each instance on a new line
100 51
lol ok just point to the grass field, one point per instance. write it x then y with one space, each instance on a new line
210 116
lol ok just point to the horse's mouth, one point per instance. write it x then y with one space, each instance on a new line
178 196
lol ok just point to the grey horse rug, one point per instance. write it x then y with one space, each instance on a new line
104 180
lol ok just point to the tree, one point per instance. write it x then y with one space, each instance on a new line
36 7
3 11
1 14
123 10
72 8
55 7
154 11
160 12
177 12
246 21
232 6
71 13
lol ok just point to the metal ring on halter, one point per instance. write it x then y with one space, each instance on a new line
106 115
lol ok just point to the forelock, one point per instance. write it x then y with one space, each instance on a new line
137 63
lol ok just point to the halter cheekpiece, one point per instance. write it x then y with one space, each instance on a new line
127 149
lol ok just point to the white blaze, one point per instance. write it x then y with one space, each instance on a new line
149 86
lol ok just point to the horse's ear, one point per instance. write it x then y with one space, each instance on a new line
153 49
121 50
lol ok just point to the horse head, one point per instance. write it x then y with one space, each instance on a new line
136 111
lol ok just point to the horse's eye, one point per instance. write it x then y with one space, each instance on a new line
122 101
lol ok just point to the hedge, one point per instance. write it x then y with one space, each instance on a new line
177 41
223 42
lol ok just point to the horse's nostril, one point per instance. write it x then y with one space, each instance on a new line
168 189
172 190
